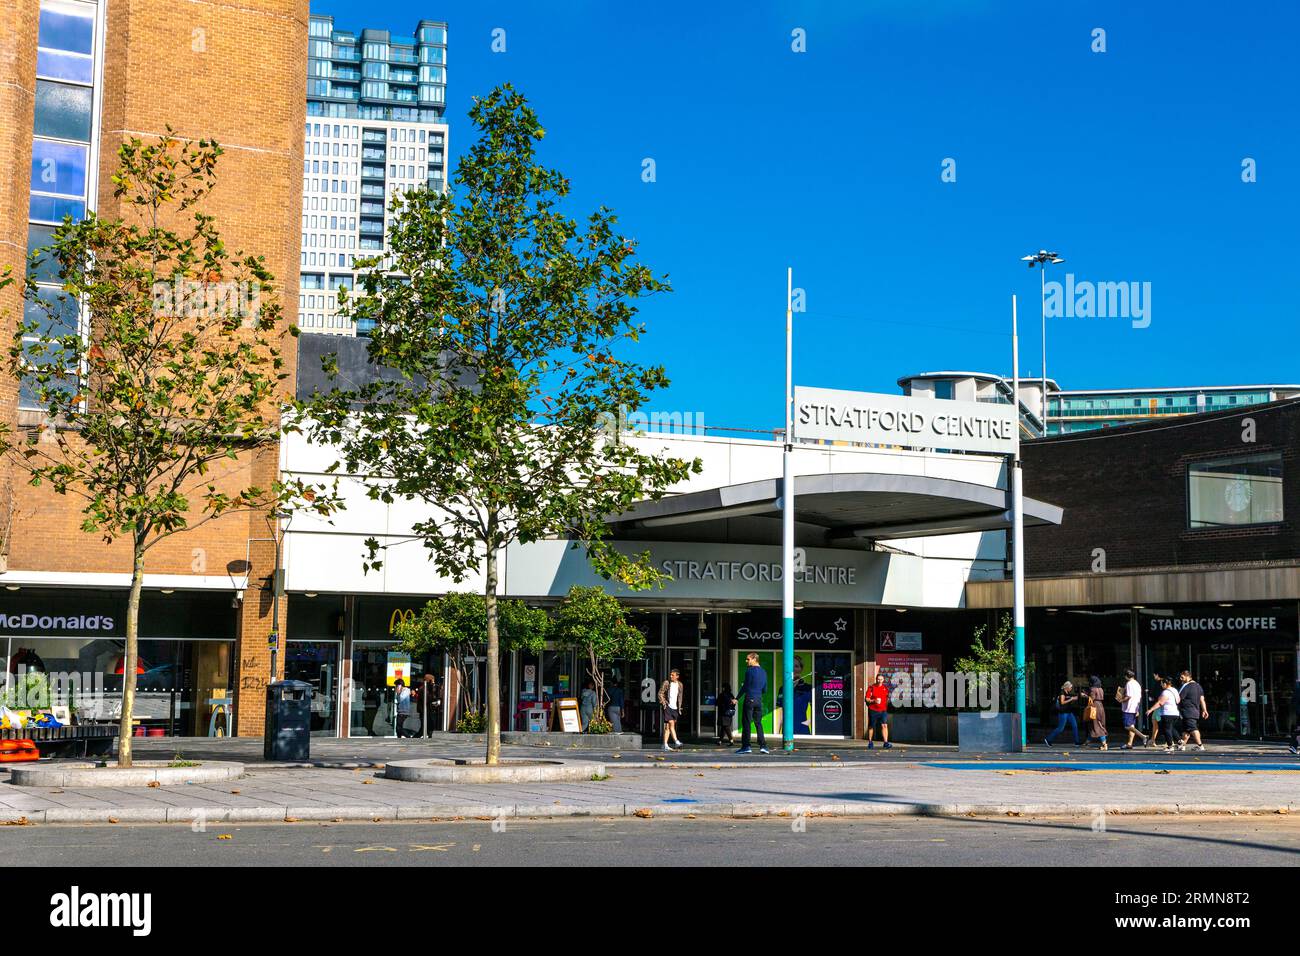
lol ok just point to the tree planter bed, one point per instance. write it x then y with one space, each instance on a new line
142 774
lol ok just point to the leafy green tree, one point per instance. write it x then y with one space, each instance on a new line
456 625
503 323
994 657
178 374
591 622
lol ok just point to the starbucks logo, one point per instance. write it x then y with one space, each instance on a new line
1237 495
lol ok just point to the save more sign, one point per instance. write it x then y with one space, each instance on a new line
828 414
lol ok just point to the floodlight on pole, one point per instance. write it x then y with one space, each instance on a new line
1041 258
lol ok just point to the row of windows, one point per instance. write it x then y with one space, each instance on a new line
328 222
62 131
327 320
330 204
396 134
312 239
1161 402
316 281
343 260
395 114
318 148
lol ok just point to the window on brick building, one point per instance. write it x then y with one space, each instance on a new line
1233 492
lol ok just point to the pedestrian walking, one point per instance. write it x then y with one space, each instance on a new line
1154 739
587 704
430 701
614 709
1094 712
1167 704
878 711
672 700
1063 706
751 693
726 709
1191 711
1130 702
402 707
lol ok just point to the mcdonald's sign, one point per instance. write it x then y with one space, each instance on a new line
398 615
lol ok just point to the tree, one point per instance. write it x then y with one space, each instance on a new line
177 373
591 622
502 322
994 659
456 625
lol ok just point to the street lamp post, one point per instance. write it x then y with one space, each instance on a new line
1041 258
787 528
1017 532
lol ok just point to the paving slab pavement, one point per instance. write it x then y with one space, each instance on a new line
917 784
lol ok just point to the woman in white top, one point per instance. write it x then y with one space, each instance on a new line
1167 704
672 699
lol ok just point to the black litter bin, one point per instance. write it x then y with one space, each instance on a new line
288 721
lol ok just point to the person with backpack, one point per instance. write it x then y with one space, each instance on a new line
726 707
1063 707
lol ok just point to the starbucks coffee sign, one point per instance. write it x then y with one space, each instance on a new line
867 417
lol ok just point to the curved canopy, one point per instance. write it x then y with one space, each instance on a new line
831 510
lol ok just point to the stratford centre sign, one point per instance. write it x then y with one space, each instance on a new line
869 418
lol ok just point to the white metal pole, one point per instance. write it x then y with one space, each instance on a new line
787 528
1018 532
1042 298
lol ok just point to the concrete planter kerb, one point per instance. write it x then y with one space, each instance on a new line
984 733
142 773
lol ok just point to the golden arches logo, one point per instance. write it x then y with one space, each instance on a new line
399 615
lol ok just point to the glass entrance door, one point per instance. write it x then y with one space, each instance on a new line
1277 696
1216 672
372 707
700 680
317 663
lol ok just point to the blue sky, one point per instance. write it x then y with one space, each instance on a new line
1127 162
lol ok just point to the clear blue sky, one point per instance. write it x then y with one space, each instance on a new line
1127 162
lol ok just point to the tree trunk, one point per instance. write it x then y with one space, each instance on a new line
493 662
598 679
129 658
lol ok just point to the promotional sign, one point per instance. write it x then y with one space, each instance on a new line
570 719
893 666
898 641
399 668
832 716
828 414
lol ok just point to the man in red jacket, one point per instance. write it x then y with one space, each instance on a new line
878 711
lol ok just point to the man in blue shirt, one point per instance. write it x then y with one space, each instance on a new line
751 691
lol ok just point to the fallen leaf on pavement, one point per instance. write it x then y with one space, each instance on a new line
224 836
643 813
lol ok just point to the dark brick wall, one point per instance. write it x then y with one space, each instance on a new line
1125 490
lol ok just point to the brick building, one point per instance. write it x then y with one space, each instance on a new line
1180 547
81 77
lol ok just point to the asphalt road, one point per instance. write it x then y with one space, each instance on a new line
1115 841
